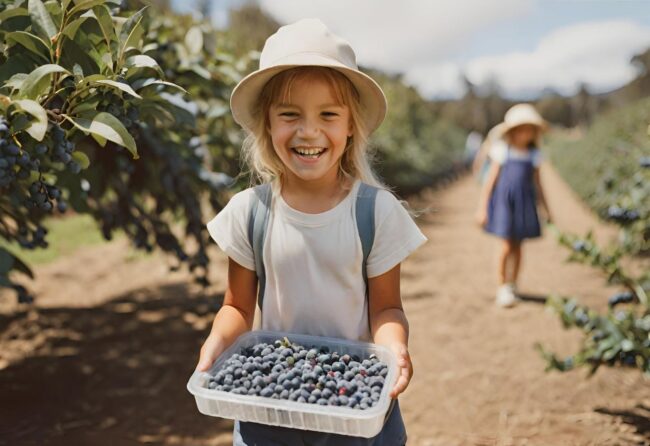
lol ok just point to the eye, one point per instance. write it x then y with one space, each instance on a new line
329 114
289 114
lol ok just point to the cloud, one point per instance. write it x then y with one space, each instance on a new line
426 40
595 53
399 36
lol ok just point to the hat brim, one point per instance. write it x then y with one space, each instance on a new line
245 95
506 127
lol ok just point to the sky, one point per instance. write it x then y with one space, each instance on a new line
525 46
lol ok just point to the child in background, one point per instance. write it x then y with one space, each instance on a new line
308 112
511 192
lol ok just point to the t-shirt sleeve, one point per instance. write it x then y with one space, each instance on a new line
537 157
396 235
230 230
498 152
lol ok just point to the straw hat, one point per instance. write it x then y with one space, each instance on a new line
306 42
521 114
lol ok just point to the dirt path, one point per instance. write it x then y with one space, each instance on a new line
105 359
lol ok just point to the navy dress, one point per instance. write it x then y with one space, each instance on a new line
512 211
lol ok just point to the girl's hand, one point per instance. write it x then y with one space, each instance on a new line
211 349
404 369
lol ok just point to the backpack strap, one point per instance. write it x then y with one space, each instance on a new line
258 219
365 215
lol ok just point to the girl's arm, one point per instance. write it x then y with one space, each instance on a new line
388 324
480 157
540 194
235 316
486 191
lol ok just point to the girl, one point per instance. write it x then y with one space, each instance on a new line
308 112
511 192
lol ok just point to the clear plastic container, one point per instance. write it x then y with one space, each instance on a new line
340 420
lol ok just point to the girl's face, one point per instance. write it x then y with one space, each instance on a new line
310 131
523 135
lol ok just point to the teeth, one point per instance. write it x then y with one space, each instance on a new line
304 151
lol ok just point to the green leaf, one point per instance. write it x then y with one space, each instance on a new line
85 5
37 81
16 81
103 17
33 43
81 158
71 28
106 126
142 61
6 261
194 40
41 20
131 31
38 128
142 83
13 12
119 85
19 265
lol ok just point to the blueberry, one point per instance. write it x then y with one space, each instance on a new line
343 400
266 392
212 385
338 366
266 351
322 402
326 393
284 394
333 400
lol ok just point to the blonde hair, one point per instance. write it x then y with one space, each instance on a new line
258 153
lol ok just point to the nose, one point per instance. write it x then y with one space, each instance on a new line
308 128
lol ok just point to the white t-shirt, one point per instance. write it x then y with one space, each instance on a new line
499 154
314 282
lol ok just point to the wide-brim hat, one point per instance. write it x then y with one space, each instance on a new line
306 42
521 114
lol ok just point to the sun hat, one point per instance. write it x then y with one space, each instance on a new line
521 114
306 42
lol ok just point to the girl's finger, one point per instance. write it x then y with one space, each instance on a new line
399 386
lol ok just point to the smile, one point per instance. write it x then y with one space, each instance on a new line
309 152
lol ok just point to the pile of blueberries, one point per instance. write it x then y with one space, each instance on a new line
316 375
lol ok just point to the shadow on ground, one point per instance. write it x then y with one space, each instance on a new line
114 374
639 418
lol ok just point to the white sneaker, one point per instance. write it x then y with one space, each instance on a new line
506 295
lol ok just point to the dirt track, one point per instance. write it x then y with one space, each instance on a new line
105 357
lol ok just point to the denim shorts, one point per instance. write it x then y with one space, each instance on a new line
253 434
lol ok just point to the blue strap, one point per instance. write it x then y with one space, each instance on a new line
259 216
365 215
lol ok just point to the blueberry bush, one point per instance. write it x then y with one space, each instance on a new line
90 121
610 167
